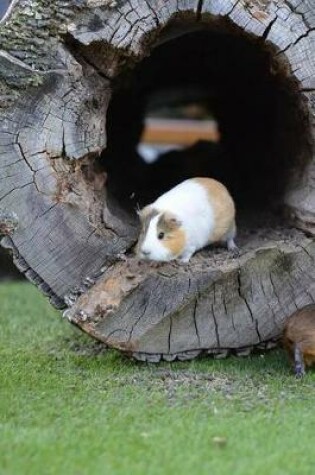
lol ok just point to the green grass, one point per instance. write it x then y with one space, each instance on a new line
68 408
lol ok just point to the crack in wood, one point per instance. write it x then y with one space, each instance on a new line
305 35
170 334
137 24
267 299
16 188
195 319
268 28
156 18
199 10
233 8
284 309
73 46
117 330
227 313
295 10
34 172
215 318
240 291
243 297
305 249
133 327
257 330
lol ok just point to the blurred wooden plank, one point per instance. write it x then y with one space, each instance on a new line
181 132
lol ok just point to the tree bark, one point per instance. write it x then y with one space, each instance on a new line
58 65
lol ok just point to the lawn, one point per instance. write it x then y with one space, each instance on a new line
67 406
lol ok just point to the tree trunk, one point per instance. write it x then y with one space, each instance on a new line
77 71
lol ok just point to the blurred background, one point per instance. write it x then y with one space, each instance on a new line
176 119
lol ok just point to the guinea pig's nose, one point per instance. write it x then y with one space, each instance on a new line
145 253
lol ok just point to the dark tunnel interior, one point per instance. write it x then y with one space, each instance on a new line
253 98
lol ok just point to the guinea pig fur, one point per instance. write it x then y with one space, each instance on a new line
299 338
193 214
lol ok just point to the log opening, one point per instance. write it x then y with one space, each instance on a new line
262 119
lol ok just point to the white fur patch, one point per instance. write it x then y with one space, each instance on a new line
190 203
201 207
154 246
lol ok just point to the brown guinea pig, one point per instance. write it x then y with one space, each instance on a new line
299 338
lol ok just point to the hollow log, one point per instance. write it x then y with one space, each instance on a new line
75 78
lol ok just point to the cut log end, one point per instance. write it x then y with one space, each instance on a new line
73 116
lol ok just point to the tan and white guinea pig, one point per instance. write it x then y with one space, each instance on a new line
193 214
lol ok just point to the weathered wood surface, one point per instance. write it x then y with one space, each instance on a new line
61 236
57 62
214 305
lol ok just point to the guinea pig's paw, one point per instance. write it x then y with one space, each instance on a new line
299 370
233 249
299 374
183 260
235 252
156 264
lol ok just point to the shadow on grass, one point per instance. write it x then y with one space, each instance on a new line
264 362
259 366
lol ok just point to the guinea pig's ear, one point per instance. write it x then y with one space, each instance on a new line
169 222
144 213
147 213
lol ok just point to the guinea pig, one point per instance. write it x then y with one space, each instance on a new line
193 214
299 338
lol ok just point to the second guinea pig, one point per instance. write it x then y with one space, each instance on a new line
299 338
193 214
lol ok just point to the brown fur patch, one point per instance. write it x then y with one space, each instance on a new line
309 357
168 222
223 207
175 237
145 215
300 330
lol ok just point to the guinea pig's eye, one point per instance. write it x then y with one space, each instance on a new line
161 235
